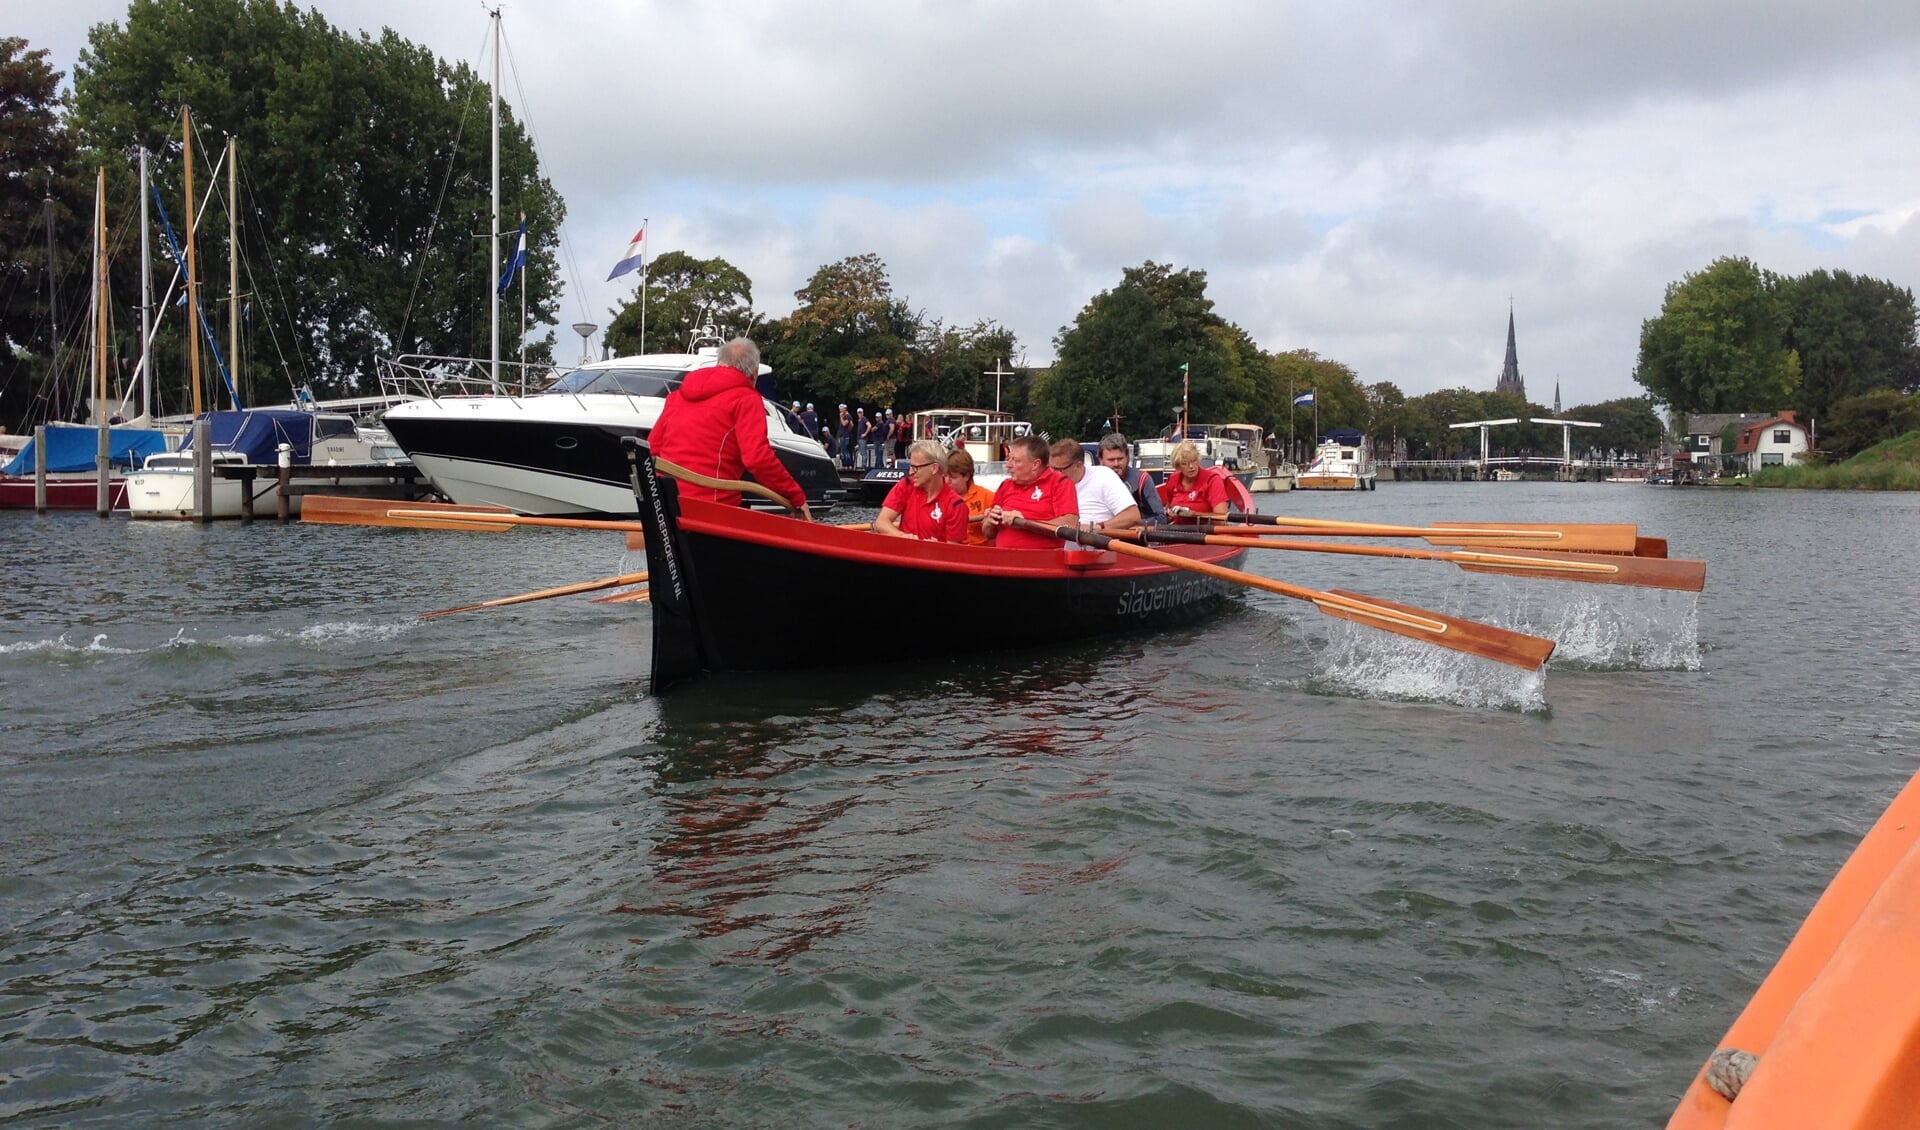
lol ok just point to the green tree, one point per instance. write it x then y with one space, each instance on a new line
365 179
1859 422
848 340
1719 343
39 180
1123 356
683 294
950 366
1853 334
1628 426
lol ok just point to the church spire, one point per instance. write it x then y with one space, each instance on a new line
1510 380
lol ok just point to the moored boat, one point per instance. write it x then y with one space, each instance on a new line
73 482
713 609
326 447
557 452
1343 461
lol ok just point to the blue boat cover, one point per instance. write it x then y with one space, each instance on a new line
257 433
1351 437
73 449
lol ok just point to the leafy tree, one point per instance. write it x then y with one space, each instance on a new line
848 340
1853 334
1123 356
1719 343
39 171
683 295
950 366
1859 422
1628 426
365 185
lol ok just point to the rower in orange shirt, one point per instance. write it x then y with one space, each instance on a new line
978 498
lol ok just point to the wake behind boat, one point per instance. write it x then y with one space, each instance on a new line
557 452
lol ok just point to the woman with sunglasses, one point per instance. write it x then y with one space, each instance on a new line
922 505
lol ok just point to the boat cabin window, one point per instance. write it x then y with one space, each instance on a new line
333 427
631 382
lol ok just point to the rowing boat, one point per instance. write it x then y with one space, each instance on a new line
724 581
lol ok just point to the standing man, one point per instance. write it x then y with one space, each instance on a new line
716 423
861 426
810 420
1033 491
875 433
1115 457
844 435
1105 505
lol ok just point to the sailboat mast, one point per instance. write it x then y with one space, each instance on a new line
146 296
193 285
100 299
233 264
53 307
493 302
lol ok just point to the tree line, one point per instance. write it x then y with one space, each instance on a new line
1837 348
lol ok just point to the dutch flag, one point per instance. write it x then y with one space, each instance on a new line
635 256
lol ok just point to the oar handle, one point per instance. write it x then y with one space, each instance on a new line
711 483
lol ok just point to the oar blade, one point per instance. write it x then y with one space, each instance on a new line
330 510
1580 538
1677 574
1649 547
1484 640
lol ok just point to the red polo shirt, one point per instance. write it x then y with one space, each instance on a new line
1207 493
942 519
1042 500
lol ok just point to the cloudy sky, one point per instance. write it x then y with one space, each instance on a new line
1374 182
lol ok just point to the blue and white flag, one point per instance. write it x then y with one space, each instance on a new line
635 256
1304 398
516 260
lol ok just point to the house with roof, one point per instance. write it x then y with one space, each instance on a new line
1774 442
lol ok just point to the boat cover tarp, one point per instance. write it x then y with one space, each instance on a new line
73 449
257 434
1349 437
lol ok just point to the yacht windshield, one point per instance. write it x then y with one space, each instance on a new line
631 382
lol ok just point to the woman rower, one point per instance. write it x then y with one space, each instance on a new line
922 505
978 499
1191 491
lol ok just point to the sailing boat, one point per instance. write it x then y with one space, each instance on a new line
328 448
73 455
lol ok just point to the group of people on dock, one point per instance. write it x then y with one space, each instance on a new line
857 440
714 424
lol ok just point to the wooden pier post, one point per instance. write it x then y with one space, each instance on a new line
202 469
283 501
39 468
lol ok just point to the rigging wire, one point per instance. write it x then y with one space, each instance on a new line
533 133
433 221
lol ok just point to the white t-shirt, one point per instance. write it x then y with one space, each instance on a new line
1102 495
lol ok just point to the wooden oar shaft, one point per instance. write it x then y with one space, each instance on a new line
543 594
1484 640
1593 568
487 518
740 485
1586 536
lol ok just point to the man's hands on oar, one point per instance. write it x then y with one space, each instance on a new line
1471 637
1594 568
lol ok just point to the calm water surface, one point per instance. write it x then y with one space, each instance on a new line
274 851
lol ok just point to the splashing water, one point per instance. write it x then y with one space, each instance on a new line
1372 664
1608 627
318 637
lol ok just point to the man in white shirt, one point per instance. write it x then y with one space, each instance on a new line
1106 505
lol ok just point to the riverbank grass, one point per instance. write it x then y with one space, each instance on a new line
1890 465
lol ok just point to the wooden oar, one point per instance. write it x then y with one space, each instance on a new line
1483 640
483 518
1585 537
740 485
328 510
1596 568
543 594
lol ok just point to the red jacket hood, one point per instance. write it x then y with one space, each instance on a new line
705 384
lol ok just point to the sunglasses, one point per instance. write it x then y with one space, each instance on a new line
922 466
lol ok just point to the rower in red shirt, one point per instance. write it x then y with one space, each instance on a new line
1192 491
716 423
922 505
1034 491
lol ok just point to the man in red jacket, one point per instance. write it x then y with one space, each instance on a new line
716 423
